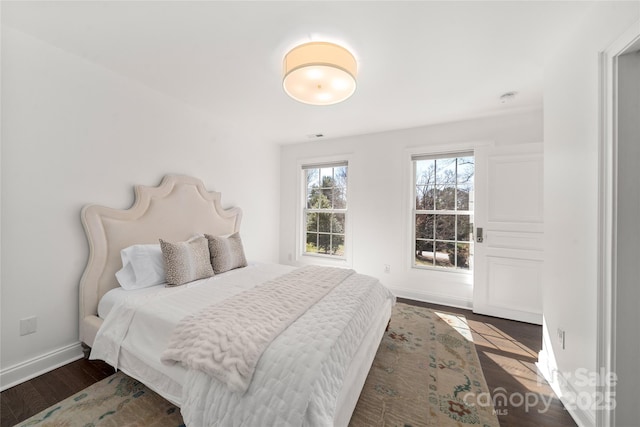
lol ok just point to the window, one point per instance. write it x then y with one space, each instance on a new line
325 209
443 211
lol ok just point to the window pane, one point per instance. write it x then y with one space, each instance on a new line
340 176
463 255
424 252
445 227
424 226
312 241
327 196
425 172
312 222
464 194
446 171
326 180
313 179
339 198
445 254
324 222
311 200
424 197
337 223
338 245
318 199
466 169
324 243
445 198
464 228
421 192
312 187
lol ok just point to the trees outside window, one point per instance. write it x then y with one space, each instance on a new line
443 211
325 212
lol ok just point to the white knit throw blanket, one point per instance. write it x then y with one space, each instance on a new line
226 340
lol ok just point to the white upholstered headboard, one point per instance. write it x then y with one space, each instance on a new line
175 210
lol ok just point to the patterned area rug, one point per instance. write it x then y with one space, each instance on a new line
424 373
113 402
424 368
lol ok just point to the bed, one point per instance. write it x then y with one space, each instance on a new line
310 373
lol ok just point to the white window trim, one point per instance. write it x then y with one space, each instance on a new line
408 194
321 259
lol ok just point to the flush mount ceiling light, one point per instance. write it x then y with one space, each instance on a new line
319 73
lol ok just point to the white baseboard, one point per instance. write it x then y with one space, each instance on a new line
432 298
24 371
563 388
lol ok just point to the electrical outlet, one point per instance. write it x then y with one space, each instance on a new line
387 268
28 325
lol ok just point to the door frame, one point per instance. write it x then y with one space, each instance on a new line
607 222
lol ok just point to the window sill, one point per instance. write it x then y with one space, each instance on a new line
320 259
443 269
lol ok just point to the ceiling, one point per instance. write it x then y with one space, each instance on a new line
420 62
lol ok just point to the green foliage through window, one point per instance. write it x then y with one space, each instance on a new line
325 209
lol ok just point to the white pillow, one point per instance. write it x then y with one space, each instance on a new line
142 266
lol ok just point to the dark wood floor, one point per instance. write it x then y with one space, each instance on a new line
507 350
29 398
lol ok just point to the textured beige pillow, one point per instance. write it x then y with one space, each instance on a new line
226 252
186 261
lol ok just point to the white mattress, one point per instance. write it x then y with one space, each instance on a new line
146 319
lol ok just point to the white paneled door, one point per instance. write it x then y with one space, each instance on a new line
509 232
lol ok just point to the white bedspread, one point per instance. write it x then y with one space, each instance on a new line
141 323
297 379
311 355
226 340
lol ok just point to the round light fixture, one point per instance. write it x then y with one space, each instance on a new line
319 73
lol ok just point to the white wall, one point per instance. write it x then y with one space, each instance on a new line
75 133
379 198
571 200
